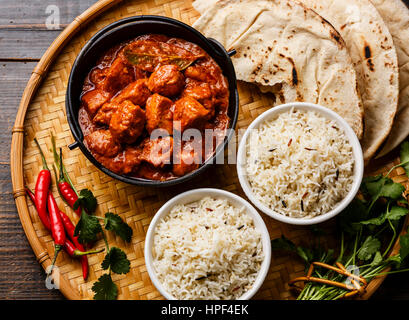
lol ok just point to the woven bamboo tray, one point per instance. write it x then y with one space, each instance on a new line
42 111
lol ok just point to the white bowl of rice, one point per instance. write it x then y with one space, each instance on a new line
207 244
300 163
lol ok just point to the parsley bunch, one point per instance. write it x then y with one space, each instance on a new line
368 229
89 228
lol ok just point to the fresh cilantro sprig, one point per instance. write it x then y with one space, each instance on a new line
369 228
369 248
404 246
105 288
315 252
89 228
404 157
116 261
115 223
86 200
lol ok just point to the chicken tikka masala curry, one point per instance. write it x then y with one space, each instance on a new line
153 84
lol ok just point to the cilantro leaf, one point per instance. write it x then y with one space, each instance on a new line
116 224
86 200
395 260
105 288
404 156
404 246
377 259
376 221
87 228
116 260
372 185
283 244
391 189
380 186
305 254
396 213
370 246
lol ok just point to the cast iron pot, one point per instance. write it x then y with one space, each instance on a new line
127 29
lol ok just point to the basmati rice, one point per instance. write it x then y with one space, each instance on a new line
207 249
299 164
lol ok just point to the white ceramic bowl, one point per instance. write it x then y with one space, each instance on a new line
353 140
195 195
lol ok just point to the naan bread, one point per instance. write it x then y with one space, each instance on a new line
396 16
287 49
373 54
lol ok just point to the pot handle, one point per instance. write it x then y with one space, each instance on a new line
232 52
219 49
73 145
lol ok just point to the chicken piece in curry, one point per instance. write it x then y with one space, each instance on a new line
144 94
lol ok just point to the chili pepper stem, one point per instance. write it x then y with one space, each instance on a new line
41 154
78 253
56 179
57 163
61 179
56 252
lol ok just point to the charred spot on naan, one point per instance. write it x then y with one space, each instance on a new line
337 37
368 57
257 69
367 51
333 32
293 72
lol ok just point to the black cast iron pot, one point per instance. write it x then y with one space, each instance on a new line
127 29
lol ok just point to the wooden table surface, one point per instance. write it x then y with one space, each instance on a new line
24 36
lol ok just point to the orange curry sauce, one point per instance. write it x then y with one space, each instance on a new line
153 82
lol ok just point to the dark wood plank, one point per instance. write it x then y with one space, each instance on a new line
26 45
24 33
23 37
13 77
21 277
33 13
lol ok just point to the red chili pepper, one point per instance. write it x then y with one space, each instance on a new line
75 253
41 190
70 228
65 188
31 196
46 221
57 227
69 195
69 247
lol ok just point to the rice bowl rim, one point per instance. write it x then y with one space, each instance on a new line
328 114
195 195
